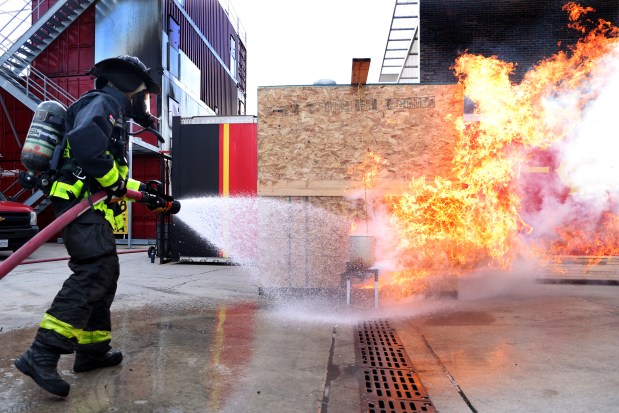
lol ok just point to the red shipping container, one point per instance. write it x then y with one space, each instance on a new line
72 53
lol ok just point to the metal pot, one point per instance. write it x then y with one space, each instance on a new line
361 250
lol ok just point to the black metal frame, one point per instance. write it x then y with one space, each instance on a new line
165 225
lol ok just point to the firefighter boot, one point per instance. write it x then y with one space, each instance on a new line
41 364
85 361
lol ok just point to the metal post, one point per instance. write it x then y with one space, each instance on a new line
376 289
347 288
129 206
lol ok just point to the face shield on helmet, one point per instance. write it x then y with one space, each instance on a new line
140 108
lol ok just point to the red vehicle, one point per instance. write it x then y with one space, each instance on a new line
18 223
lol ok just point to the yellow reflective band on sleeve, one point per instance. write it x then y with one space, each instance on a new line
67 191
50 322
109 178
123 170
133 184
120 223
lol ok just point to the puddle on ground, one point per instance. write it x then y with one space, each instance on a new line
175 357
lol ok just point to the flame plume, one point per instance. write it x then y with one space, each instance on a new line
476 217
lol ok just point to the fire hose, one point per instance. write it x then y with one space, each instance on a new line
162 201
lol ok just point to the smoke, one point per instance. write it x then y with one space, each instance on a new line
588 158
583 181
486 283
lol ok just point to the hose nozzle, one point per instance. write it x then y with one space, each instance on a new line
176 206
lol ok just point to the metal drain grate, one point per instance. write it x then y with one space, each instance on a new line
398 406
377 337
396 384
388 381
383 356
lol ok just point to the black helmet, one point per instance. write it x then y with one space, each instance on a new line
125 72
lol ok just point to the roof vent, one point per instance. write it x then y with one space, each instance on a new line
322 82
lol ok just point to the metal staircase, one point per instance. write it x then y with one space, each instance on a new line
17 76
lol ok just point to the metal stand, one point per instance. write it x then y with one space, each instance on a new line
354 271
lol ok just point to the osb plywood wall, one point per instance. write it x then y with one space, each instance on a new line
309 137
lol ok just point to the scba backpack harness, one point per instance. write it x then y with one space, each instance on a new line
42 153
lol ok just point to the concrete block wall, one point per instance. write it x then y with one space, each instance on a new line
520 31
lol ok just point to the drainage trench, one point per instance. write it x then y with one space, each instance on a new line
388 381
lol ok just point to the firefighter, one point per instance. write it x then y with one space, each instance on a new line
94 159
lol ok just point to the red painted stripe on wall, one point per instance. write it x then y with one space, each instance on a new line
238 159
243 165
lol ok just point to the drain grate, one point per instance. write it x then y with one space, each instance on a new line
398 406
397 384
388 381
376 332
382 356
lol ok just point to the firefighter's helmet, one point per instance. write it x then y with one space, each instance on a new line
125 72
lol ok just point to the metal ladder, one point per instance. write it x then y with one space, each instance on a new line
17 76
401 58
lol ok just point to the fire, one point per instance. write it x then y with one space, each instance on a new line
584 238
474 218
368 170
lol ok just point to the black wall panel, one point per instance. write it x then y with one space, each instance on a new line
520 31
195 173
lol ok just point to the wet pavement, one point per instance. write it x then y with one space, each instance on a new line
199 338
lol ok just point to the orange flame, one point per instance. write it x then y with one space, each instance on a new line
581 238
472 219
367 171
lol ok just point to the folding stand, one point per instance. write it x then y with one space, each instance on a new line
354 271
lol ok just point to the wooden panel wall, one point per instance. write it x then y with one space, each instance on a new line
310 136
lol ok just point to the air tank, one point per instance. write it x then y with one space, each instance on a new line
45 133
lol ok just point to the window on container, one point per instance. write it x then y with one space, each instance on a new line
241 108
241 102
233 56
174 39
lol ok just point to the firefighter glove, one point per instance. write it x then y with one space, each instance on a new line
118 189
155 203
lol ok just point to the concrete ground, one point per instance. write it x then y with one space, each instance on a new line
198 338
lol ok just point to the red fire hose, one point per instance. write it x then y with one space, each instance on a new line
45 234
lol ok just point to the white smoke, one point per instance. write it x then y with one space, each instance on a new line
589 156
586 160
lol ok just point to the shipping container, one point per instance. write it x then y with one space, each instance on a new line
213 156
13 130
193 51
72 52
203 32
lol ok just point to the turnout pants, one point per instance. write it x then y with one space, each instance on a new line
79 317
